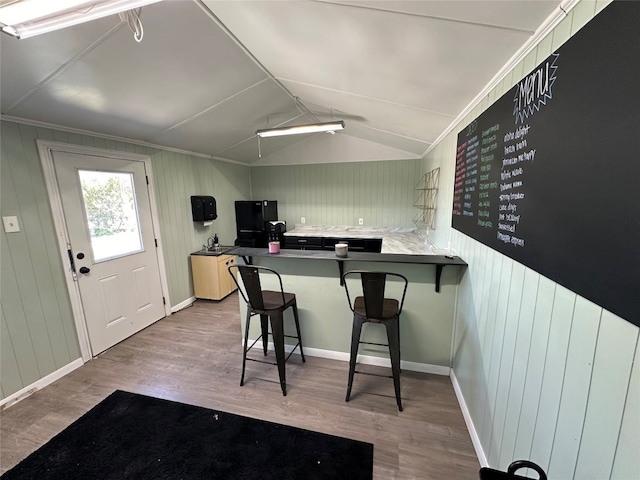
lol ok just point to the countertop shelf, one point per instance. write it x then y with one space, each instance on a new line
440 261
214 252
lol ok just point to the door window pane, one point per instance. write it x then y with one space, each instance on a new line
111 212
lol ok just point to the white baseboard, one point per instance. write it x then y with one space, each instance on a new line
475 439
39 384
368 360
186 303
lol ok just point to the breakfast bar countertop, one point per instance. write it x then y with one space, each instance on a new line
407 241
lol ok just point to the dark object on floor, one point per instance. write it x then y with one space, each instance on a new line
491 474
373 307
131 436
270 305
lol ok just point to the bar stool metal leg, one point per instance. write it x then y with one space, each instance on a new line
394 353
277 331
264 326
246 345
297 320
355 342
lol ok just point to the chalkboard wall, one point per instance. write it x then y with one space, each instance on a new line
549 175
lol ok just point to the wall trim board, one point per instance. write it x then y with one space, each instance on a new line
184 304
40 384
367 359
475 438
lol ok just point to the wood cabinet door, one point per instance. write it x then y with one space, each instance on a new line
225 282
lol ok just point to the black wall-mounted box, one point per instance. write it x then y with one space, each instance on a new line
203 208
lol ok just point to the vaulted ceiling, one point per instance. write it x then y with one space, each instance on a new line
209 73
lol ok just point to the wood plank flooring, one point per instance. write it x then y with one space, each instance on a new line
194 356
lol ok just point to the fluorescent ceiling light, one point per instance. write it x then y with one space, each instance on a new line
314 128
26 18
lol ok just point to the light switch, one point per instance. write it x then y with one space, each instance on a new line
10 224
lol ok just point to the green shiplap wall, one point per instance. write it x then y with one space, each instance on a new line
176 178
38 333
545 374
381 193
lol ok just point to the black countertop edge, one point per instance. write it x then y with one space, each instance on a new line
352 256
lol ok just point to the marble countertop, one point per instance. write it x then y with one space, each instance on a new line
408 241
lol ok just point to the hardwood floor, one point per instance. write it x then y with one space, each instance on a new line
194 356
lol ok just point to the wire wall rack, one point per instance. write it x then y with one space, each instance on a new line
425 201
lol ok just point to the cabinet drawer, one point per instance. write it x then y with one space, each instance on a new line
310 243
355 244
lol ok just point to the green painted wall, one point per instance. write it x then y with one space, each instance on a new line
381 193
177 177
37 329
545 374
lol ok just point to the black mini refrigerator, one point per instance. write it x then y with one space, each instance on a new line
252 218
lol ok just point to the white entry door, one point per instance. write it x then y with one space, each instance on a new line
112 245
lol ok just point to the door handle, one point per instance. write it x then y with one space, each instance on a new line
84 270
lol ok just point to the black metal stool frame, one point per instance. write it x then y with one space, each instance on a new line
376 310
270 305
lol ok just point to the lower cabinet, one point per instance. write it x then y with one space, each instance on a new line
328 243
211 279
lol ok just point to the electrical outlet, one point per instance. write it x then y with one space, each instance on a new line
10 224
302 220
361 221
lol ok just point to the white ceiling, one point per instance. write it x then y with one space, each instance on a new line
209 73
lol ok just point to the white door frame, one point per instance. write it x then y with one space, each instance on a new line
46 149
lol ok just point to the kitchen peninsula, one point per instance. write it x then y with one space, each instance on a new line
325 318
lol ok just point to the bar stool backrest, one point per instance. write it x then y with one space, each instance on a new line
373 289
373 284
251 278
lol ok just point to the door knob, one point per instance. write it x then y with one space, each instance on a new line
84 270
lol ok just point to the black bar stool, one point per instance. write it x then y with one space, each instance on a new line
373 307
270 305
487 473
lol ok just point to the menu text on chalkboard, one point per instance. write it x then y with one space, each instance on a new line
549 175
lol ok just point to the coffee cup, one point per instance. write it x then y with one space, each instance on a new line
341 249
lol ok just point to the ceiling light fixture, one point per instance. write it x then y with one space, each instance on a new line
27 18
330 127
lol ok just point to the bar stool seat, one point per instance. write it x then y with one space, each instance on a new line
273 300
270 305
390 307
373 307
